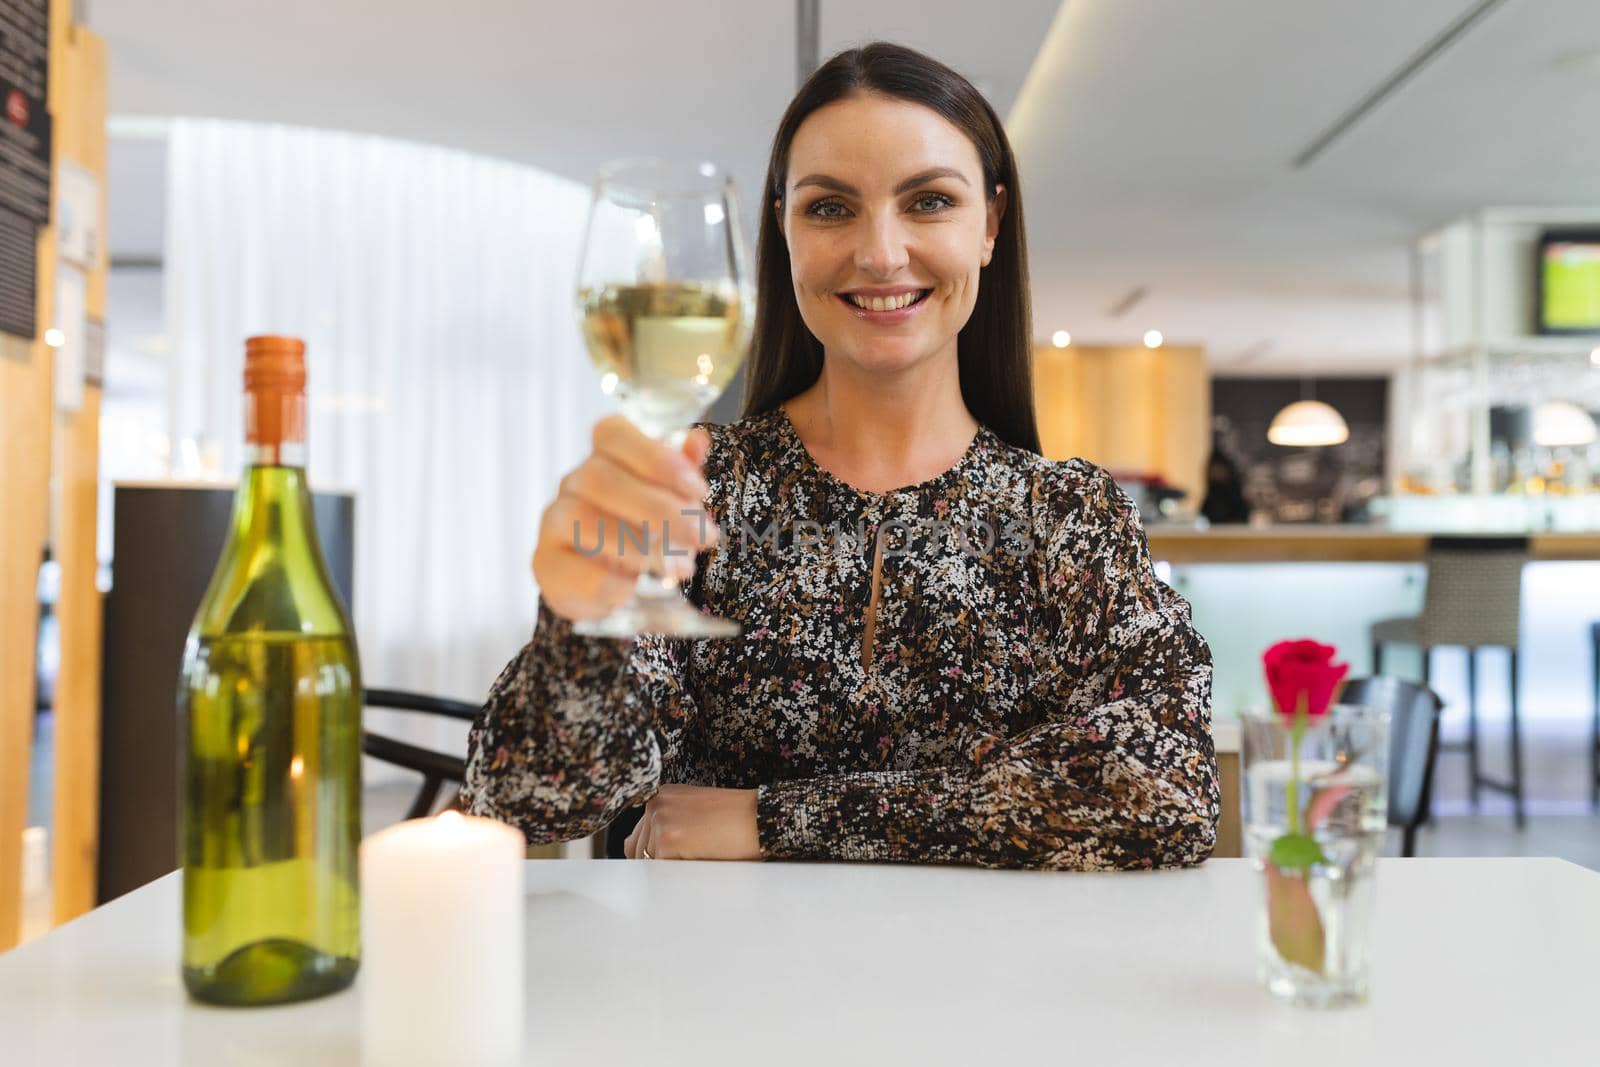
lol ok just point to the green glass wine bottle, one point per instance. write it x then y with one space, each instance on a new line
270 707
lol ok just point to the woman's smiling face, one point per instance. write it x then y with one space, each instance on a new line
888 225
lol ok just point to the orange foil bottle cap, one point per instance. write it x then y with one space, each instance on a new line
275 362
275 389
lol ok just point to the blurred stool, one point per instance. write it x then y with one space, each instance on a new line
1594 726
1473 600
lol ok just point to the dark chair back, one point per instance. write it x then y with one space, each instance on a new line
617 833
1413 744
436 768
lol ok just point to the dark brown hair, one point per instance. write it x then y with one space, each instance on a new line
994 347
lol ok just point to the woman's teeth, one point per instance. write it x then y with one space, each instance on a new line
885 303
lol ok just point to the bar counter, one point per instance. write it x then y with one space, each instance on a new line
1251 586
1335 544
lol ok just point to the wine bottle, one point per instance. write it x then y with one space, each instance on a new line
270 709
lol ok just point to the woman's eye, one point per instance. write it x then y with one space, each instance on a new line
931 202
827 209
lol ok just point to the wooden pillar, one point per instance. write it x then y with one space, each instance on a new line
25 477
1127 408
80 139
25 399
28 426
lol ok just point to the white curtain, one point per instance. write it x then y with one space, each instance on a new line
449 389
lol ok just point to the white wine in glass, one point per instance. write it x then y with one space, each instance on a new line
667 350
667 306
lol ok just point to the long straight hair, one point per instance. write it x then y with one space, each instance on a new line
994 348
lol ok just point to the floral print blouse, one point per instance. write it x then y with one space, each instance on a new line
1029 694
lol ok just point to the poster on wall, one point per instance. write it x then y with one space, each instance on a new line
25 131
71 334
77 214
19 283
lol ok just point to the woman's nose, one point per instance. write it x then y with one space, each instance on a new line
882 251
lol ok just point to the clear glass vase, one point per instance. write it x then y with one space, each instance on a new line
1314 825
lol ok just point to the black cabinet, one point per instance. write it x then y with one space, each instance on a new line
166 540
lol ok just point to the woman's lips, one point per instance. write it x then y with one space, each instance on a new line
887 318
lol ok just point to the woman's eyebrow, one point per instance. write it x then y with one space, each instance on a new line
921 178
825 182
928 175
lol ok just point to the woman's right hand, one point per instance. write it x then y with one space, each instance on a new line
629 479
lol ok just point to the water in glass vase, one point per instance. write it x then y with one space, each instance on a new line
1313 927
271 909
668 349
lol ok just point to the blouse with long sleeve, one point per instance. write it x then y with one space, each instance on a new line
1016 689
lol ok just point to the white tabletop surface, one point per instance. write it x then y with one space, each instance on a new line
1479 961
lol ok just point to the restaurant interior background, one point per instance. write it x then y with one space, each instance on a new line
1232 206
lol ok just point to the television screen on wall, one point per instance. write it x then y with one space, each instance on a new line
1569 282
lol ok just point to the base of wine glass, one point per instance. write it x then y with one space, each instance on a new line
657 607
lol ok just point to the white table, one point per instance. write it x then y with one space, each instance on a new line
1478 961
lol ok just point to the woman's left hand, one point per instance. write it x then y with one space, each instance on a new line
693 822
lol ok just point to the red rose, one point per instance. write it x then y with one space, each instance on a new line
1299 670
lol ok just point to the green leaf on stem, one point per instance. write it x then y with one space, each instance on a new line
1296 852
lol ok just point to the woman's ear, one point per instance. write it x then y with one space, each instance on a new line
991 227
777 213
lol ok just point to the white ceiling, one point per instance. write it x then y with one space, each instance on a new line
1156 136
562 86
1157 139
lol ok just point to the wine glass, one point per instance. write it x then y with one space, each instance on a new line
667 307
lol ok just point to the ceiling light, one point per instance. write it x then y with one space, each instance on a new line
1308 424
1061 339
1153 338
1560 423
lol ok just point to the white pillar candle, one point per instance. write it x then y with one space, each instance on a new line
442 943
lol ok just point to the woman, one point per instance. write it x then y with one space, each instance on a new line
978 666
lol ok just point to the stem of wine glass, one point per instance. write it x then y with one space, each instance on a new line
653 586
656 582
